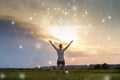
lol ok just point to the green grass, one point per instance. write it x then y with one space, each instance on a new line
72 75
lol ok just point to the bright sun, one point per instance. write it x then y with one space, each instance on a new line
64 33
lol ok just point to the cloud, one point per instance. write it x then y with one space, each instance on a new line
76 54
110 51
22 12
94 52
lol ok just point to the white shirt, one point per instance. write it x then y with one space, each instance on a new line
60 53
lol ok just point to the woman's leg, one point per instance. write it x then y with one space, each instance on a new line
58 67
63 67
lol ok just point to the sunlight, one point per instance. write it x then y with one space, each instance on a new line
64 33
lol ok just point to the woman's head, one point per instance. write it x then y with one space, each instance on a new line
60 46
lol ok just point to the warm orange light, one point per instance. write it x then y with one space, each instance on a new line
64 33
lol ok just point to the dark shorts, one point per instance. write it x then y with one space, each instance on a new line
60 62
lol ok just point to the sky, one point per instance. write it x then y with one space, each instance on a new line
26 26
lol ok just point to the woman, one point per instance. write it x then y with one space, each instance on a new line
60 53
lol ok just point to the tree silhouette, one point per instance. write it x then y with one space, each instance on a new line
105 66
97 66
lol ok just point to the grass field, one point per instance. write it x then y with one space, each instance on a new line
51 75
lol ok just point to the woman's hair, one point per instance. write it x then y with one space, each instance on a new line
60 46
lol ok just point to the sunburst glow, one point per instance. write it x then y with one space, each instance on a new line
64 33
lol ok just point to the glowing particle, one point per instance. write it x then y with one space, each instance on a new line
50 62
38 66
43 4
66 71
30 18
88 64
103 20
2 76
74 8
108 38
89 25
31 32
109 17
55 8
48 9
72 59
86 12
22 76
20 46
93 51
12 22
34 14
106 78
83 15
58 8
38 45
68 4
65 13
